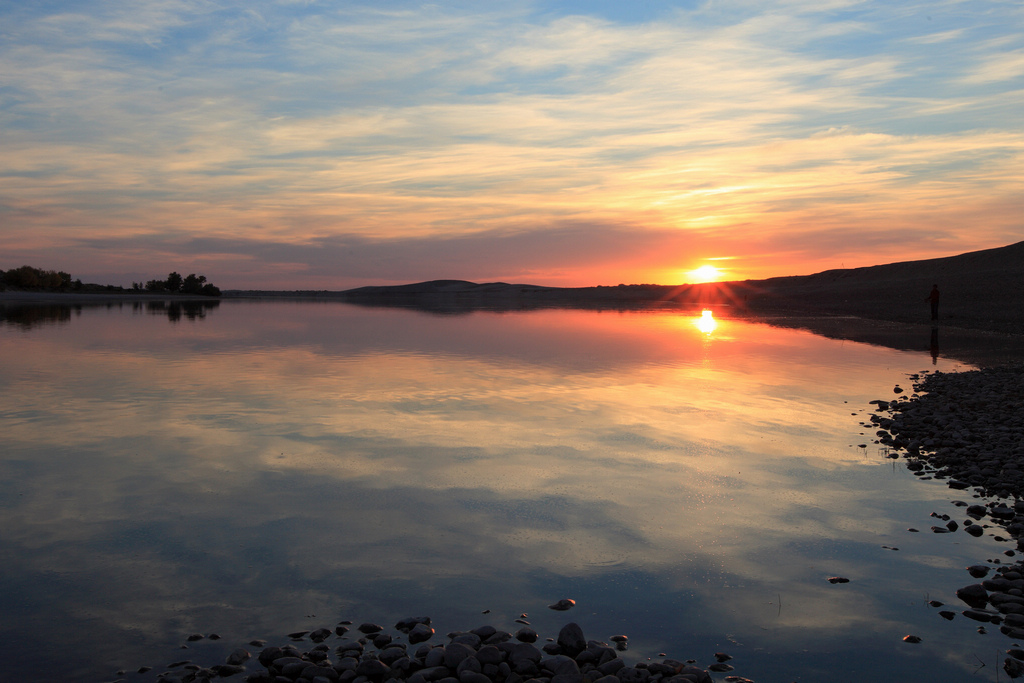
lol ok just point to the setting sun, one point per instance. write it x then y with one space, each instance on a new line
706 273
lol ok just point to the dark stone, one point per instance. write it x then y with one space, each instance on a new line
373 669
409 623
524 651
571 639
490 654
320 635
349 645
979 571
484 632
238 656
611 666
369 628
268 655
420 632
974 595
455 652
470 640
979 615
632 674
434 658
562 605
1013 668
560 664
526 635
499 637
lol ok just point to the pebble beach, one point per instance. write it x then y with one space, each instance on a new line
413 652
967 429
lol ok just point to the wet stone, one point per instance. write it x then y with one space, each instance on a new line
526 635
420 633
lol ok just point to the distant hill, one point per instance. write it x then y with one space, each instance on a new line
980 289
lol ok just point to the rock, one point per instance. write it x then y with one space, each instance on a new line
320 635
560 664
489 654
484 632
373 669
409 623
974 595
471 640
1013 668
526 635
368 628
979 615
979 571
524 652
454 653
420 633
269 655
349 645
947 615
911 639
974 530
563 605
722 657
238 656
838 579
571 639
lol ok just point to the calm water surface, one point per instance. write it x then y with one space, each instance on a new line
261 468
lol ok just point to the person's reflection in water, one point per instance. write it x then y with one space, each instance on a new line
935 345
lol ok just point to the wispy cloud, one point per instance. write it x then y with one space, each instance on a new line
397 124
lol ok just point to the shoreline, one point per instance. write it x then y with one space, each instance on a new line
979 344
369 653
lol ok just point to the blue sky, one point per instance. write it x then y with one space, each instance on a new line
305 144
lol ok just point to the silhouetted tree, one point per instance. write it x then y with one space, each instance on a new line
193 284
27 277
173 283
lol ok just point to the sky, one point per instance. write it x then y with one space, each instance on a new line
306 144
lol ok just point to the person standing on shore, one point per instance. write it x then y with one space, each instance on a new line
933 298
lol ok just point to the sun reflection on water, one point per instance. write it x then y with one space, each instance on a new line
706 323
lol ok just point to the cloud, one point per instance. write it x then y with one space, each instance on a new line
301 123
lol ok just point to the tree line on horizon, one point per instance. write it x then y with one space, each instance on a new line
37 279
176 284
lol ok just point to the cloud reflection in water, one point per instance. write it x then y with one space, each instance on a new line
276 460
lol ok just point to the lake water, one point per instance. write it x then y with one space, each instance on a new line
258 468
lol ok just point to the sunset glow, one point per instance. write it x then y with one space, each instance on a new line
706 273
305 145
